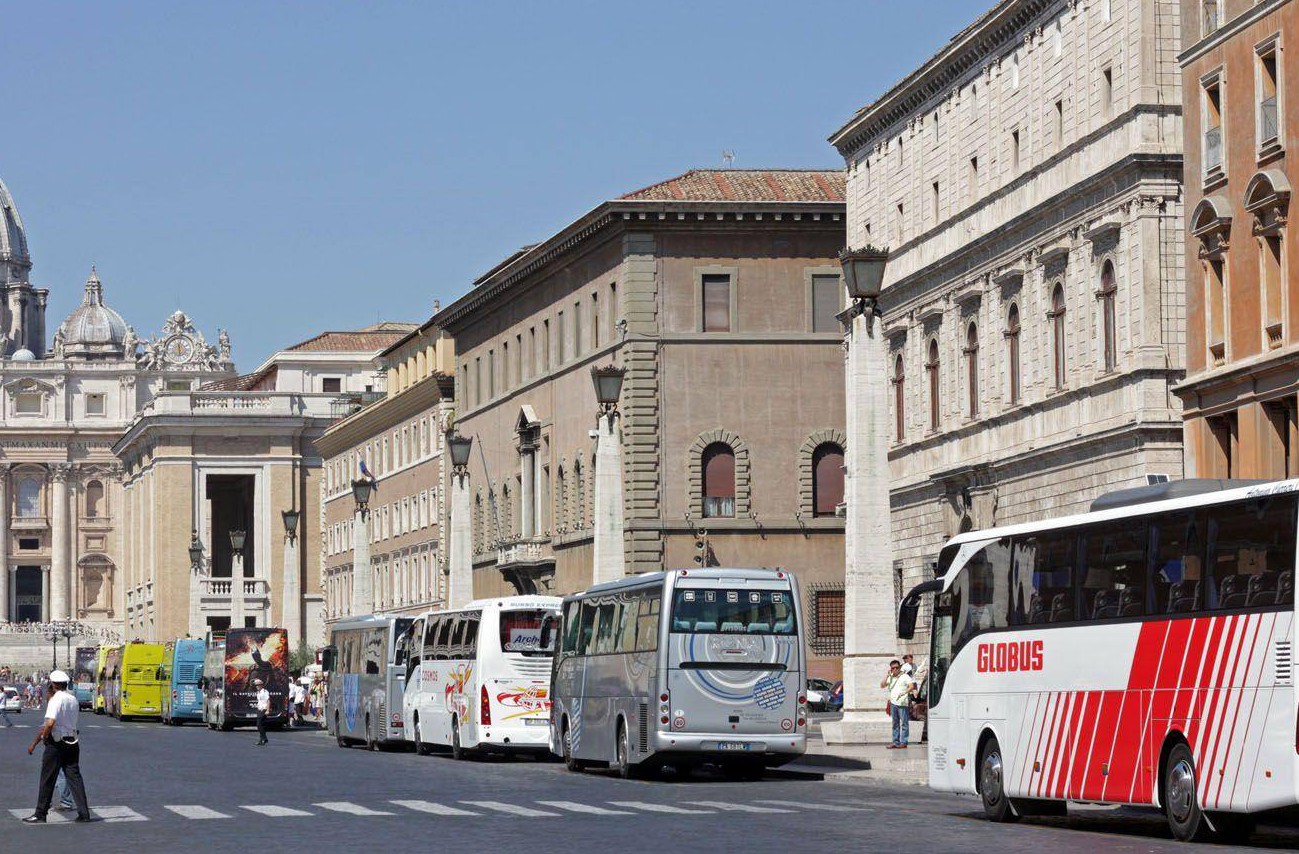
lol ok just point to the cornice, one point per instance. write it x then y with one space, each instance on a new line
386 413
1229 30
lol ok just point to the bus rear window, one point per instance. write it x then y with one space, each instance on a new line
721 611
521 632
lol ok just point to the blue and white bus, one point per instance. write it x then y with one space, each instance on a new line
365 663
182 665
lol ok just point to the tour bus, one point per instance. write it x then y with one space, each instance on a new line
110 681
83 675
139 688
1136 654
478 677
101 659
681 668
229 668
182 673
366 663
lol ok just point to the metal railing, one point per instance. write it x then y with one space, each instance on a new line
1213 148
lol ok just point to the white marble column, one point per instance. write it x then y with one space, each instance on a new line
6 611
609 552
60 571
362 576
527 494
460 564
291 593
45 594
870 636
237 591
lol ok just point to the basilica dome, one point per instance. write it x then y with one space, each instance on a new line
14 260
93 330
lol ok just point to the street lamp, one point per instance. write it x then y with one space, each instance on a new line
195 551
361 489
608 387
608 549
237 538
237 589
460 448
460 576
863 274
291 523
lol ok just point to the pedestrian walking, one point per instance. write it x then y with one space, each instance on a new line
263 709
298 696
62 750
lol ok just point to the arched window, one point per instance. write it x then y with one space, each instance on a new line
1109 291
1012 352
972 368
827 479
931 368
29 497
1057 334
899 399
718 463
94 499
561 500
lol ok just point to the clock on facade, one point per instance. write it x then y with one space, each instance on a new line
179 349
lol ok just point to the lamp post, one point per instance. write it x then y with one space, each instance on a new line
362 582
460 568
237 539
869 632
196 583
65 629
610 562
291 588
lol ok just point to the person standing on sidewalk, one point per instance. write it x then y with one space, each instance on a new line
263 709
62 750
900 687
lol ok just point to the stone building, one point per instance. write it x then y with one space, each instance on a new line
236 455
1243 275
62 532
718 292
1027 181
400 439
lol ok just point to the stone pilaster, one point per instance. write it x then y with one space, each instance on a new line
610 552
460 583
5 586
291 593
362 575
60 569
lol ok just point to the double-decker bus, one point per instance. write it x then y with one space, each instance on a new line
110 681
1137 654
139 688
681 668
101 677
83 675
182 675
478 678
366 663
229 668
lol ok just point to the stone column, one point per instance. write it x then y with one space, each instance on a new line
45 594
237 591
460 564
870 637
291 593
362 575
610 556
528 495
60 572
5 587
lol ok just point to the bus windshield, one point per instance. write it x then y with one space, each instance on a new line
521 632
722 611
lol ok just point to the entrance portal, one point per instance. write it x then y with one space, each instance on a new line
29 600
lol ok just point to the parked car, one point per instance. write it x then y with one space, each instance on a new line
13 701
818 694
834 703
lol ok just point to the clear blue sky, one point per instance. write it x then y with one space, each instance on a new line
280 169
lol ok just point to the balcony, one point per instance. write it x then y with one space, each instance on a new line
29 523
529 565
96 521
219 588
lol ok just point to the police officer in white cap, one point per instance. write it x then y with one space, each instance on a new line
62 750
263 709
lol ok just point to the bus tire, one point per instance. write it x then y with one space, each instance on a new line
992 786
570 762
1181 803
342 741
371 743
622 753
421 749
458 751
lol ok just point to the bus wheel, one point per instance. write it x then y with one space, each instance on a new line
570 762
625 769
1181 805
342 742
371 743
421 749
992 784
458 751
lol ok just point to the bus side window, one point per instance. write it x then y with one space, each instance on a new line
455 648
571 626
444 637
1113 577
586 627
626 635
470 640
604 635
647 621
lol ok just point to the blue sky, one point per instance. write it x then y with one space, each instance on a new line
280 169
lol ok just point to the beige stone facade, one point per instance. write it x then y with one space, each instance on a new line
717 292
1027 180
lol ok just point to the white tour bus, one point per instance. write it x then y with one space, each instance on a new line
478 678
681 668
366 666
1136 654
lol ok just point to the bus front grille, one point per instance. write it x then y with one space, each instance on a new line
644 727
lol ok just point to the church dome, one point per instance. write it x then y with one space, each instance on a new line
24 355
93 330
14 260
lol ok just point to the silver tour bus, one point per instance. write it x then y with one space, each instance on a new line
366 666
681 668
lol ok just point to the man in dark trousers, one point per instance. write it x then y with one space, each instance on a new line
62 750
263 709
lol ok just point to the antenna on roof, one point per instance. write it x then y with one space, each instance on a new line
728 158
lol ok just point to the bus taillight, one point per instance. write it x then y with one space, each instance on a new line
485 715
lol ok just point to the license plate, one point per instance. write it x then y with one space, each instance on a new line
734 745
536 721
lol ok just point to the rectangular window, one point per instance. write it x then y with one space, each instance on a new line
1272 269
478 380
981 597
95 404
1059 124
936 133
1014 151
534 361
933 207
827 622
1107 91
507 380
577 329
491 374
1212 111
28 402
178 385
827 293
1212 16
1044 570
972 179
1224 434
613 310
1269 117
559 338
1217 308
518 364
716 303
595 320
545 345
331 385
901 229
1250 545
1114 572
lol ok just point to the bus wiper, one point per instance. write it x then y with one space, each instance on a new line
732 665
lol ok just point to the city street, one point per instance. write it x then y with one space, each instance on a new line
167 789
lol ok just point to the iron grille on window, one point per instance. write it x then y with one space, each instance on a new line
827 620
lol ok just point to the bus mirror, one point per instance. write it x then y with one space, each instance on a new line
907 613
546 641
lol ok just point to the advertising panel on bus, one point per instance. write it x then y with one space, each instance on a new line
83 675
255 654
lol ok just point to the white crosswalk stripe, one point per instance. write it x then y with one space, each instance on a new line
432 808
116 814
573 806
822 807
52 818
729 807
510 809
194 811
648 807
274 811
350 808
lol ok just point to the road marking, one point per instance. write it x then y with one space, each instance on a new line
728 807
194 811
648 807
116 814
430 807
573 806
350 808
821 807
52 818
274 811
510 809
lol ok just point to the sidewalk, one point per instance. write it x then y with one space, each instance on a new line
874 762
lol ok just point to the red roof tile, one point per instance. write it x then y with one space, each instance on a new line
747 185
362 341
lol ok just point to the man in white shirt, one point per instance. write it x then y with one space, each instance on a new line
263 709
62 750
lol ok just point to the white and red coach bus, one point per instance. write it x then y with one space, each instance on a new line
1136 654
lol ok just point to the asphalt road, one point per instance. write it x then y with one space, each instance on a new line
164 789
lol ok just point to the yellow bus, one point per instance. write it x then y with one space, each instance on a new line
141 681
101 677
